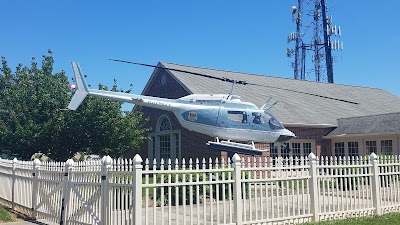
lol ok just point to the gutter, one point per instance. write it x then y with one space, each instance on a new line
310 125
360 135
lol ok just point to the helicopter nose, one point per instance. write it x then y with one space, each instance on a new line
285 137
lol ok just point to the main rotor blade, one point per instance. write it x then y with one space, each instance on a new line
306 93
183 71
234 81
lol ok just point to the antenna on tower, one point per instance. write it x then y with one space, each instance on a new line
324 38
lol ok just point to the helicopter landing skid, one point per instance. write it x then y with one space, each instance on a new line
234 147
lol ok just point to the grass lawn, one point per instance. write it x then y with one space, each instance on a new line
6 216
387 219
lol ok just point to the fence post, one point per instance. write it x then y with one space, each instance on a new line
237 189
137 190
376 198
66 192
14 162
105 198
313 184
35 186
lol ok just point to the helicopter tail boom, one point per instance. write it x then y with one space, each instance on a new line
82 89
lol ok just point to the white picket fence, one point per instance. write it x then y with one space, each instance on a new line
237 191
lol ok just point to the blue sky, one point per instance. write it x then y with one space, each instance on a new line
244 36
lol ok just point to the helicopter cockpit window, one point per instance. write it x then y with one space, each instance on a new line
273 122
258 119
238 116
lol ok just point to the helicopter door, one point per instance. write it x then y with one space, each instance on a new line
222 120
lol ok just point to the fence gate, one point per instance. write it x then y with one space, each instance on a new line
48 183
69 194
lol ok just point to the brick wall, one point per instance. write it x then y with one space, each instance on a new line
323 146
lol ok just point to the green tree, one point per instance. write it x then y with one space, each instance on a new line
33 117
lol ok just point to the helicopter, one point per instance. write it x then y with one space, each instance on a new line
236 125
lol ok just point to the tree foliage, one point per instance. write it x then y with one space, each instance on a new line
33 117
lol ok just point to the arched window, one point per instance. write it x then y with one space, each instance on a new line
165 142
163 124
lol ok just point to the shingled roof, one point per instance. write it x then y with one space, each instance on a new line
375 124
292 109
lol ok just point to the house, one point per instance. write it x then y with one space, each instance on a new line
366 134
328 119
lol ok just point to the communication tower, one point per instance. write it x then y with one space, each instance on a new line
314 39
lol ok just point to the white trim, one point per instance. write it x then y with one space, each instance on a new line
163 132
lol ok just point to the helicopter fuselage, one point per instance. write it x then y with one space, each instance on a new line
222 116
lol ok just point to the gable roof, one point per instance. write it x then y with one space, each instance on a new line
292 109
375 124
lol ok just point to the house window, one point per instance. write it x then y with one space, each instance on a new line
163 124
273 150
386 147
165 147
285 150
353 148
165 142
296 149
274 153
370 146
153 146
177 146
339 149
306 148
